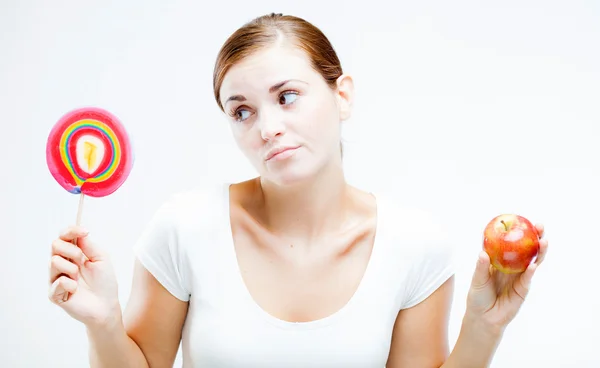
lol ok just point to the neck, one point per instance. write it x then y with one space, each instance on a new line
306 210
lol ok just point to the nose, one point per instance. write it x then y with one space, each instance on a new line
271 125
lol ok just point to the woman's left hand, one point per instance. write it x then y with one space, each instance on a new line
494 297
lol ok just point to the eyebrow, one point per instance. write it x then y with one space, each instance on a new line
272 89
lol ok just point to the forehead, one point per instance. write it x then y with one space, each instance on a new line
266 67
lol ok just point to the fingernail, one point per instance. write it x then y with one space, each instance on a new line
480 258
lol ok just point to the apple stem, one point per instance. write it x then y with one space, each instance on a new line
505 226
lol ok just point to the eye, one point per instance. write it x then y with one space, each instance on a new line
288 97
240 114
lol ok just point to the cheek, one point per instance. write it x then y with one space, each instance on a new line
248 139
322 121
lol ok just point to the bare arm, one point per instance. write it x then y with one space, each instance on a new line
475 346
420 336
110 346
149 332
420 340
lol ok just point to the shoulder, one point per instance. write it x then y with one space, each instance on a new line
418 247
186 215
183 220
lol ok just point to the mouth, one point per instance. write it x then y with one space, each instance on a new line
280 152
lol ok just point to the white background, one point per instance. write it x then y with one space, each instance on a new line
467 108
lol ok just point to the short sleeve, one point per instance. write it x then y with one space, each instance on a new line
159 251
430 270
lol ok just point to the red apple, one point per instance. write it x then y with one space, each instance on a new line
512 242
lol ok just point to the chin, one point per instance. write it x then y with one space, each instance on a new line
289 174
287 178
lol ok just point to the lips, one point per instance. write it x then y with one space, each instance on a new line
274 152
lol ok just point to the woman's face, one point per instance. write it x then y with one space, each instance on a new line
275 102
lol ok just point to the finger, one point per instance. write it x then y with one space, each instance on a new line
522 285
60 266
60 288
542 252
68 250
90 250
72 232
481 276
540 230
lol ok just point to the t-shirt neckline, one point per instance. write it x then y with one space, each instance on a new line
358 296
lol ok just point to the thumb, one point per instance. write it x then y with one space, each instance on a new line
481 276
90 249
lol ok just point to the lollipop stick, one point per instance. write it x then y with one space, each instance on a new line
79 212
77 222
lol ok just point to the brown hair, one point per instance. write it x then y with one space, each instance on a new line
264 31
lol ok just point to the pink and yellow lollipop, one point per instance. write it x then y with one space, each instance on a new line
88 152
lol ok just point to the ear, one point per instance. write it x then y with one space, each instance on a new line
345 95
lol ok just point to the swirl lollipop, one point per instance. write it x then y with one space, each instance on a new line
89 153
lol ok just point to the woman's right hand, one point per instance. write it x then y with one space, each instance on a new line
82 280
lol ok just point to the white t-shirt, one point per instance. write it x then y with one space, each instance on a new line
188 247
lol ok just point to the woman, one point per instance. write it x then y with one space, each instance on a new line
294 268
